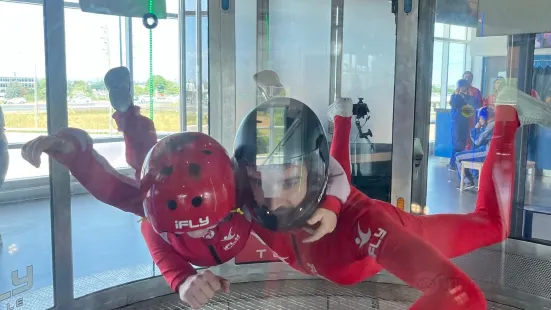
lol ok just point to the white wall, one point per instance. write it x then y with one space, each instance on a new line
506 17
487 46
245 54
476 69
369 45
300 49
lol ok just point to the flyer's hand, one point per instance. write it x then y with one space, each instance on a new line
198 289
32 150
327 222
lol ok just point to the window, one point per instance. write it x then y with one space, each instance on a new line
22 83
165 107
192 87
438 30
108 249
92 48
25 236
436 76
456 65
458 32
191 5
368 63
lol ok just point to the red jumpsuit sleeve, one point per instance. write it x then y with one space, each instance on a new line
97 175
139 136
332 203
174 268
338 187
415 262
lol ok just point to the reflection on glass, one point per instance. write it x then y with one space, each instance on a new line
192 87
166 77
451 58
538 165
23 85
91 51
25 232
368 63
108 249
301 58
245 45
368 72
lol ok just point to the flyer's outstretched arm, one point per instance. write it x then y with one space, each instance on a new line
73 148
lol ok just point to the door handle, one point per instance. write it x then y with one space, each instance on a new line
418 155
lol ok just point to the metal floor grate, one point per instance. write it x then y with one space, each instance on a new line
302 294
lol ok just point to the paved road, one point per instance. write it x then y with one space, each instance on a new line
30 107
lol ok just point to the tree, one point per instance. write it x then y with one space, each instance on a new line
163 86
141 90
172 88
41 89
14 90
79 88
98 85
28 94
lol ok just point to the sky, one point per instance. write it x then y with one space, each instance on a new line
92 43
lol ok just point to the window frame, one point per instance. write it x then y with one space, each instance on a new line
16 190
446 41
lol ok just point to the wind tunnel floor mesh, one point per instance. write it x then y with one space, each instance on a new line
302 294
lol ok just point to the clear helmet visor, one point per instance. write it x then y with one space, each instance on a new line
282 152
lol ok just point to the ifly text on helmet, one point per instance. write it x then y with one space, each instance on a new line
202 223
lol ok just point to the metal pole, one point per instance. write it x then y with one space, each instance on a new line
198 67
425 48
60 190
183 82
262 40
337 10
520 56
129 55
35 99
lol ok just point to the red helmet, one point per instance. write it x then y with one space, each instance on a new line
188 180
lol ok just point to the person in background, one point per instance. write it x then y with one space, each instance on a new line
473 91
462 107
481 136
498 84
477 104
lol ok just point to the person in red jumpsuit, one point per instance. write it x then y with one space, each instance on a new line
173 191
498 84
372 235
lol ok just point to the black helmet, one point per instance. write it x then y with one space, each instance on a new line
282 160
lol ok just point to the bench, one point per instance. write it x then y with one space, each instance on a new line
530 168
